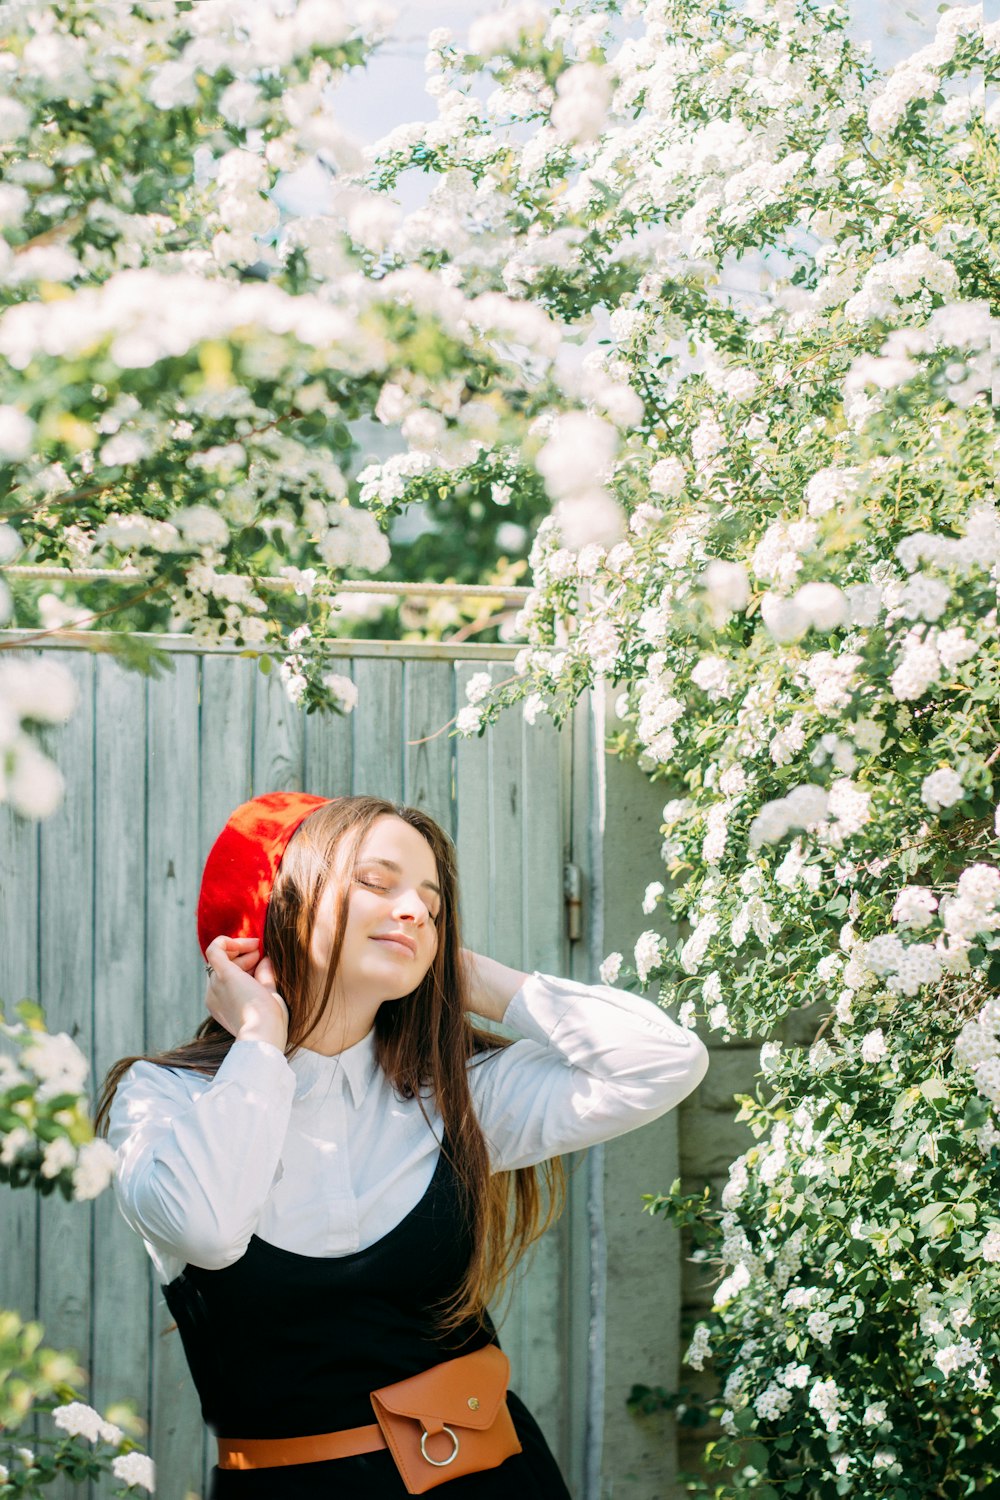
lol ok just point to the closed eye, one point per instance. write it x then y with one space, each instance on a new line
374 886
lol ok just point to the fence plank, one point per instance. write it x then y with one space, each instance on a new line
121 1293
175 1007
539 1292
277 738
66 949
428 751
378 730
226 743
472 773
225 781
510 859
19 981
328 751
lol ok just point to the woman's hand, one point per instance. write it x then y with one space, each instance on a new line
490 986
242 995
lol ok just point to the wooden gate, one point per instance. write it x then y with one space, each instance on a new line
97 917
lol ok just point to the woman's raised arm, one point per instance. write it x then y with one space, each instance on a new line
197 1156
592 1063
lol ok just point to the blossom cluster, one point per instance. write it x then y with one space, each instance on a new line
181 359
46 1134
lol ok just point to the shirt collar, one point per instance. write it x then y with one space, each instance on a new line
357 1064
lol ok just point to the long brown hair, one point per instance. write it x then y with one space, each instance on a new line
423 1042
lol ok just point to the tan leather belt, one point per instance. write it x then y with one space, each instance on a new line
266 1453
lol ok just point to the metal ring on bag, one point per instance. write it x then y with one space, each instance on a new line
440 1463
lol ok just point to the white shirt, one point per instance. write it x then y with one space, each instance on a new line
318 1155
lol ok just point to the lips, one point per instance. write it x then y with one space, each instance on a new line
398 940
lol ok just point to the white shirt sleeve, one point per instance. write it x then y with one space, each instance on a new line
197 1156
593 1063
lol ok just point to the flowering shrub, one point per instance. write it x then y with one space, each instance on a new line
788 568
46 1133
47 1142
179 368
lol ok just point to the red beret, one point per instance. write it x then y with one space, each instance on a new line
240 869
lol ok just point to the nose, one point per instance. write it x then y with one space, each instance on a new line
411 907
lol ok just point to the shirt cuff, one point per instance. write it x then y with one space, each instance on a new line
256 1065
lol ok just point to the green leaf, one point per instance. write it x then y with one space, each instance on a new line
977 1112
758 1455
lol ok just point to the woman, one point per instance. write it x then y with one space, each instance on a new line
339 1172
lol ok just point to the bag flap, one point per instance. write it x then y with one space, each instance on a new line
464 1392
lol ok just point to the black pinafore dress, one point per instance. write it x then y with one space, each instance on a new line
283 1345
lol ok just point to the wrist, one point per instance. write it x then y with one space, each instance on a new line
492 986
258 1031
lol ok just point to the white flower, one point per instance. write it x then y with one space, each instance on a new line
17 432
583 95
770 1056
58 1062
831 678
532 706
81 1420
941 789
727 585
718 1017
15 1140
919 666
885 1458
57 1155
713 674
868 735
733 1284
695 948
611 968
989 1247
580 447
468 719
344 691
924 598
41 690
653 891
783 618
667 477
788 740
135 1468
825 1397
914 906
873 1047
478 686
648 949
700 1347
820 1327
829 488
953 647
804 807
95 1168
823 604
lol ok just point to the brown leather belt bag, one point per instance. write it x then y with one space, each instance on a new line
445 1422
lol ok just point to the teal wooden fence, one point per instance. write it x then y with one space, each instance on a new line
97 916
